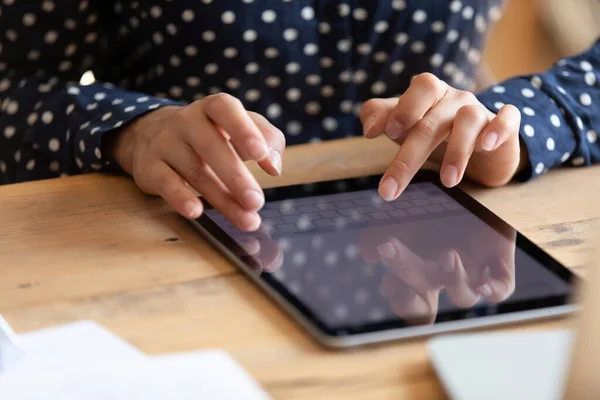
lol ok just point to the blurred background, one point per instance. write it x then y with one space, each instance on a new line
535 33
531 36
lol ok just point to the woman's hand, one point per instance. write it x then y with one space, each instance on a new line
449 127
202 145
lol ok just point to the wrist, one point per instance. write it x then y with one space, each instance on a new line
119 145
523 158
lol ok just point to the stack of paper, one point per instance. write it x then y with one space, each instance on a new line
83 360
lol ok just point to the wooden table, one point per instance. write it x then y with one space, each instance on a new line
95 247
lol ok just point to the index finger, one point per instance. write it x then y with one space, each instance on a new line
424 92
423 139
228 113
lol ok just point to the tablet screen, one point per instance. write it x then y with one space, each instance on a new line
354 263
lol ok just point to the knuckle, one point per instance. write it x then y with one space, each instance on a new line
457 154
272 134
466 97
195 171
401 167
429 82
238 177
472 113
425 128
368 108
277 137
502 126
181 116
512 111
220 103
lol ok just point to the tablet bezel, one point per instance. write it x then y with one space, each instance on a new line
345 336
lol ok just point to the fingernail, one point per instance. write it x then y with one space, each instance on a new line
387 250
192 209
276 162
253 200
388 188
448 261
484 290
489 142
249 222
450 175
394 129
370 121
256 149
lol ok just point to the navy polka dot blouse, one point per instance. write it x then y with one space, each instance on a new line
306 65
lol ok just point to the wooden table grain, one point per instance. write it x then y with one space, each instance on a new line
94 247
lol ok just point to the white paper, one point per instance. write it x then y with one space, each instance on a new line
83 360
500 366
206 375
10 352
81 342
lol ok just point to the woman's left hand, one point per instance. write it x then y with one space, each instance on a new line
449 127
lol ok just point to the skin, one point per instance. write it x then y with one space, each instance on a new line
203 146
469 260
436 122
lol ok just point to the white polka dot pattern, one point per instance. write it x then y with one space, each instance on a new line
307 69
560 111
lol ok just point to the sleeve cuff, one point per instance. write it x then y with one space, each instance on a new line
103 109
544 131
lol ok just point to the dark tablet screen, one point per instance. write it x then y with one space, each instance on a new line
353 263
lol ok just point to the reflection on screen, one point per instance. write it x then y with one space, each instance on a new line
352 258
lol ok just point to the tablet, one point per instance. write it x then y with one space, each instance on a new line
353 269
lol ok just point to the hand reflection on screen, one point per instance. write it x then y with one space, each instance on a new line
461 255
262 247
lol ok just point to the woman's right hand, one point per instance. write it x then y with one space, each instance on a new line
202 145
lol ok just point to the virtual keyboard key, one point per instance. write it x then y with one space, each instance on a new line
401 204
380 215
287 228
343 204
438 200
420 202
329 214
323 223
269 213
325 206
367 209
307 209
452 206
416 211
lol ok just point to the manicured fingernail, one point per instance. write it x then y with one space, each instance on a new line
192 210
450 175
388 188
276 162
369 122
484 290
387 250
448 261
257 149
394 129
253 200
489 142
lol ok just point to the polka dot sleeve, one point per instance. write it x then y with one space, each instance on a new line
50 124
560 111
